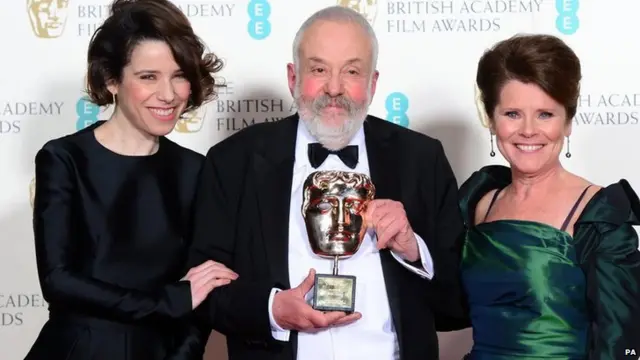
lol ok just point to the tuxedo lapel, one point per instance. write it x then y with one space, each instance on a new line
383 163
382 149
273 171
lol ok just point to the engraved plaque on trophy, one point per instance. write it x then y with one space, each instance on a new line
333 207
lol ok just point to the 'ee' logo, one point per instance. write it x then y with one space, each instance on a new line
567 21
397 105
87 113
259 25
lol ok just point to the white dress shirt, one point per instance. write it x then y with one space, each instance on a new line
373 336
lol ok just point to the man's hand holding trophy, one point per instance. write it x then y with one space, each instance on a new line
338 208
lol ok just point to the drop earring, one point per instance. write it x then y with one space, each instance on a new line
114 99
492 153
568 154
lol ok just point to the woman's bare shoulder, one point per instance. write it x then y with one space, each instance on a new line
483 206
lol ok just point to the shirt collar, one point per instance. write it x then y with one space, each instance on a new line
304 138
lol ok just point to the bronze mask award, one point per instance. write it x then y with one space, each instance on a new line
333 207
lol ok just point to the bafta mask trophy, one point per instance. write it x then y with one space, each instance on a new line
333 206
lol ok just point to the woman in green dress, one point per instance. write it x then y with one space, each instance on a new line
550 266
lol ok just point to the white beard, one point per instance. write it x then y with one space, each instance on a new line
331 137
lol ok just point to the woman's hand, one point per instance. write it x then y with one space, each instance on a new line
206 277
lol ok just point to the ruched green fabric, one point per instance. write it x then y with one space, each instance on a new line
535 292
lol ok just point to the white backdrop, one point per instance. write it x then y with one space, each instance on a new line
428 56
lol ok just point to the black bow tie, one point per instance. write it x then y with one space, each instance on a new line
318 154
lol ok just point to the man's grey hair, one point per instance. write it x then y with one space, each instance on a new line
339 14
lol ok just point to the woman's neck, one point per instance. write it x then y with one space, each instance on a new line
121 136
524 186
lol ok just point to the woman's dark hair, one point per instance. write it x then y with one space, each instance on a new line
543 60
133 21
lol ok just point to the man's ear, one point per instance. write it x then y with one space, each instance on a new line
374 82
291 77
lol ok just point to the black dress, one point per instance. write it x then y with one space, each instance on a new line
110 235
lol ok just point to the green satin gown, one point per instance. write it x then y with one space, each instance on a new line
535 292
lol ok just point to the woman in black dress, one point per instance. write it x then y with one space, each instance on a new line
112 208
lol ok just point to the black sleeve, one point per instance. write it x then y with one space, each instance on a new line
449 303
613 290
240 308
193 342
56 246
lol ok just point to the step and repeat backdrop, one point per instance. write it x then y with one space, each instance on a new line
428 56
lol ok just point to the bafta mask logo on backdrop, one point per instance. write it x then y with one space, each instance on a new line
48 17
397 105
191 122
368 8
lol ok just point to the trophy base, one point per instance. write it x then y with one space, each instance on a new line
334 293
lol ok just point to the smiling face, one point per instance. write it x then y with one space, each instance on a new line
153 91
530 128
334 80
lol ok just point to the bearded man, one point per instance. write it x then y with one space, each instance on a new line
249 216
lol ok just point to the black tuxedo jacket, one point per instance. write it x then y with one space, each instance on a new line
242 218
